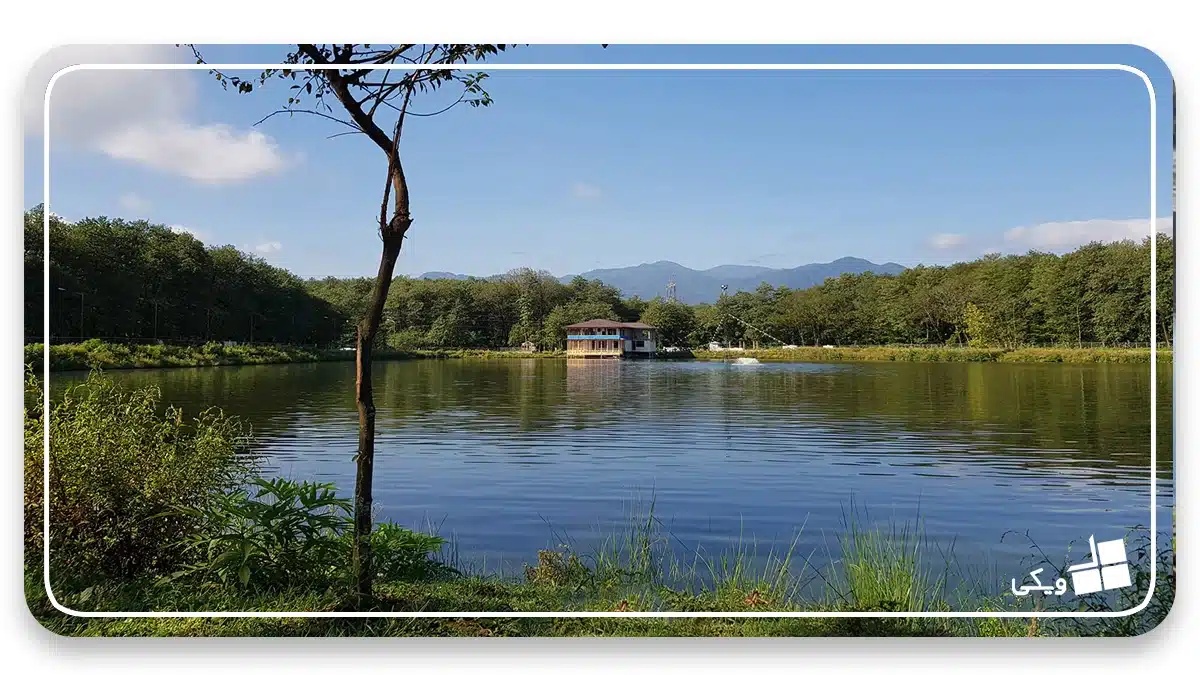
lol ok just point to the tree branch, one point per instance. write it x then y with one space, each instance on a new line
462 97
289 111
342 91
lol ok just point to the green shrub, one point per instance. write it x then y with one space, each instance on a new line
291 534
286 533
34 357
401 554
34 460
558 568
968 354
118 462
95 354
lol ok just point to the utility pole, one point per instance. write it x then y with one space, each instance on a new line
724 291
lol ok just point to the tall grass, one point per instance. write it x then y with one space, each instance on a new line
886 570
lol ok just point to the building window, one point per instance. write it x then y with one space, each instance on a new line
639 344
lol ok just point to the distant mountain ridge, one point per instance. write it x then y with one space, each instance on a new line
692 286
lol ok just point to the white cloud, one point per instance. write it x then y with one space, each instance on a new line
142 116
133 203
87 103
585 191
214 153
946 241
201 236
268 247
1069 235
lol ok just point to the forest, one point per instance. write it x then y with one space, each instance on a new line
135 281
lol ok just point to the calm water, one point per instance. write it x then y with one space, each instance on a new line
510 456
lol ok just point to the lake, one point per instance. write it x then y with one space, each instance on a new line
509 456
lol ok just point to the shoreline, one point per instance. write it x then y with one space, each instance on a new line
115 356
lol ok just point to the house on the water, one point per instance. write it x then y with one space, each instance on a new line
601 338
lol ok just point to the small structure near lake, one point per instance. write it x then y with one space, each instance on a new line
601 338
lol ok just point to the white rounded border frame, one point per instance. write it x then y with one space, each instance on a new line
618 67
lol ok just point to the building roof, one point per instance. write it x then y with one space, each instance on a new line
605 323
597 323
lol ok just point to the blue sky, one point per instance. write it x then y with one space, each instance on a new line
569 171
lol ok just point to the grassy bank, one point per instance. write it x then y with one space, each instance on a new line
156 513
94 354
970 354
115 356
881 579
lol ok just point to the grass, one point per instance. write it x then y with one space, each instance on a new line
880 568
559 582
969 354
94 354
885 570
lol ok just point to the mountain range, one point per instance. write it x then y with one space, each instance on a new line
692 286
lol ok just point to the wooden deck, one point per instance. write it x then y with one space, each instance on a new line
594 353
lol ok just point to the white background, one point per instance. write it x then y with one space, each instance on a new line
32 29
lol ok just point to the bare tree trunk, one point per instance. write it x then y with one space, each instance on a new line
391 231
368 328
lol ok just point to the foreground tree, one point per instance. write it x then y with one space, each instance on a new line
369 100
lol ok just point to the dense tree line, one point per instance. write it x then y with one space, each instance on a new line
521 306
1097 294
114 279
